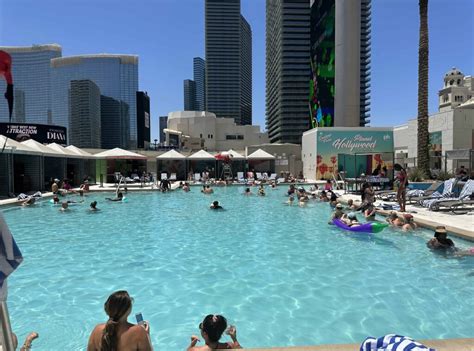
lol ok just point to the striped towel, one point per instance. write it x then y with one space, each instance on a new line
415 192
10 256
392 342
466 192
436 196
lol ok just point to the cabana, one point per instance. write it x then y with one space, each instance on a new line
171 162
75 164
201 161
53 163
261 161
89 162
237 164
20 168
120 161
463 156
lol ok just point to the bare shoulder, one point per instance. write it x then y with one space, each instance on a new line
95 338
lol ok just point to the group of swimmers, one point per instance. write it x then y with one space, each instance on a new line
118 334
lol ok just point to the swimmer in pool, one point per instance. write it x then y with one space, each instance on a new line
215 206
118 198
261 190
93 206
247 192
337 214
409 223
64 207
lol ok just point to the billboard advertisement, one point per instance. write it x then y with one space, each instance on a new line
322 56
42 133
354 152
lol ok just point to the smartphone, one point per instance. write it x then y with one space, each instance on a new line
139 318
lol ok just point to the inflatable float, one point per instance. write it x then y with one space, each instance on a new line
370 227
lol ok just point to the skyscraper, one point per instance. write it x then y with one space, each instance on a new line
246 72
84 114
32 83
352 50
163 126
340 58
143 120
117 78
287 67
189 89
228 44
199 68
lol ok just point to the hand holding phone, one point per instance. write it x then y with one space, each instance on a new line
139 318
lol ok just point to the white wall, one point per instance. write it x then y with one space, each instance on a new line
308 154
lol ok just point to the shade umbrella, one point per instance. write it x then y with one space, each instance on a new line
119 153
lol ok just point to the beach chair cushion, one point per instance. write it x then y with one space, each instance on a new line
392 342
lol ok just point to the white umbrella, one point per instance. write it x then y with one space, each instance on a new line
119 153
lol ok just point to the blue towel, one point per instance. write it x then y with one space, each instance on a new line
392 342
10 255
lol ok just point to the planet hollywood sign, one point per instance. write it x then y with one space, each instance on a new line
41 133
359 142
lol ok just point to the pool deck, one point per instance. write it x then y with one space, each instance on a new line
438 345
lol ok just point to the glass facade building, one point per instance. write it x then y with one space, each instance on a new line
116 76
287 68
32 83
189 90
228 61
199 70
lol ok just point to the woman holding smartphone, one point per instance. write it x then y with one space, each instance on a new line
212 328
117 334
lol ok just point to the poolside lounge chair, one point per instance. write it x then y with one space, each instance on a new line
240 177
447 203
447 193
164 176
272 176
258 176
414 195
173 176
197 177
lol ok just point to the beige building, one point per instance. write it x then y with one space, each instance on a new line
452 128
195 130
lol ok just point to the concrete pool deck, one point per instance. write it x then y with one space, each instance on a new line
438 345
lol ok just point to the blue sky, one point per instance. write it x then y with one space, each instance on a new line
167 34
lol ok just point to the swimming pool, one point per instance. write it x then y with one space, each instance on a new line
280 273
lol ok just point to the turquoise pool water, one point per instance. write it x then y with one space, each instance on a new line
281 274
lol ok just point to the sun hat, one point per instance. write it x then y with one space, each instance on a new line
339 206
441 229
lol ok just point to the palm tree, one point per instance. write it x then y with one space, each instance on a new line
423 134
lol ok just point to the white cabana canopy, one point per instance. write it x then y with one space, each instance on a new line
79 151
260 155
63 150
119 153
171 155
201 155
46 151
15 147
236 155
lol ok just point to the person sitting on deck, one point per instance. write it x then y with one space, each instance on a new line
117 334
215 206
118 198
328 185
212 328
409 223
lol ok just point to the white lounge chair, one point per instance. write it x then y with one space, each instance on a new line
164 176
240 177
173 176
197 177
272 176
258 176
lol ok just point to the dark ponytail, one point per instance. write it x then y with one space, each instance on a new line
116 306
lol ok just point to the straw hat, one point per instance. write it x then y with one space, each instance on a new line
339 206
441 229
